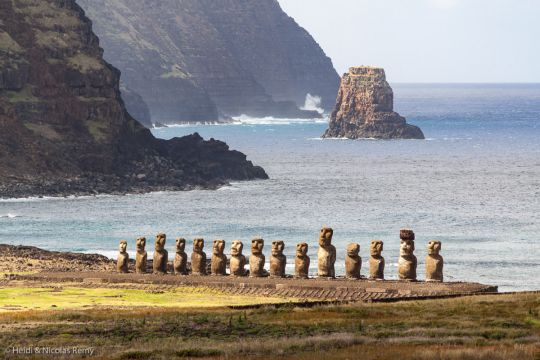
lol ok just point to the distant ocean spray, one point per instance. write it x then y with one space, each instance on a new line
474 185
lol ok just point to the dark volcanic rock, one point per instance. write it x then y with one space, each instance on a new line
64 127
136 106
365 109
194 60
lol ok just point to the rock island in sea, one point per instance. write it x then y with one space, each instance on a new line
365 108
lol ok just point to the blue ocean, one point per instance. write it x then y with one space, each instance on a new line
474 184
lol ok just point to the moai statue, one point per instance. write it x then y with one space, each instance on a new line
353 262
278 261
301 263
180 259
326 254
219 260
407 261
198 258
238 260
256 260
123 258
161 256
434 262
376 261
141 257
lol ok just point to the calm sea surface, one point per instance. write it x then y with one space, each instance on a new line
474 184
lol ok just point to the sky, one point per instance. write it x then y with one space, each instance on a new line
428 40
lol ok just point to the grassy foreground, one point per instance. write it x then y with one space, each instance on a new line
64 298
481 327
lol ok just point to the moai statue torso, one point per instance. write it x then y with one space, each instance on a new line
376 261
353 262
161 256
278 261
219 260
407 261
238 260
198 258
257 259
123 258
141 256
326 254
434 262
180 259
301 262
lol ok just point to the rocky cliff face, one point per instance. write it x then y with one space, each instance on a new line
63 126
194 60
365 108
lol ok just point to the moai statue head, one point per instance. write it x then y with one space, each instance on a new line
219 247
180 245
325 236
277 248
122 246
198 245
301 250
236 248
376 248
434 247
257 246
353 250
406 248
140 244
161 239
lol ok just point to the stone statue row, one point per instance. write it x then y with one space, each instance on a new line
407 263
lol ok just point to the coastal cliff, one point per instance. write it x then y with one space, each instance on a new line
64 127
205 60
365 108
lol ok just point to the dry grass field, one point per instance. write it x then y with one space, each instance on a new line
477 327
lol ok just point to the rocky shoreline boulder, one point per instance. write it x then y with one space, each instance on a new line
365 109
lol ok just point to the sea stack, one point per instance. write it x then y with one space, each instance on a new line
365 108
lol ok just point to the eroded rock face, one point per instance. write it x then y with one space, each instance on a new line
301 262
326 254
257 259
198 258
180 259
365 109
141 256
161 256
407 262
238 260
278 261
353 262
219 260
65 129
192 60
376 261
434 262
122 262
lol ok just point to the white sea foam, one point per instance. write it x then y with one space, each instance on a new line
313 103
10 216
270 120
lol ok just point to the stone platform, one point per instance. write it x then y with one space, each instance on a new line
309 289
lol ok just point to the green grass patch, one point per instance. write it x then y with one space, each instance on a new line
64 298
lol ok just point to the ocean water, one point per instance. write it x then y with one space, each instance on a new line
474 184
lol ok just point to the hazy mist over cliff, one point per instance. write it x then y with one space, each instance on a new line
428 40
